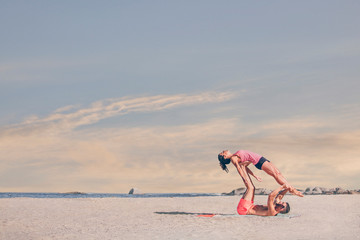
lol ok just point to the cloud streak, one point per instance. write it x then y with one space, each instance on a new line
70 117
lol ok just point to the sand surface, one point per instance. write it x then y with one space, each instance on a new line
322 217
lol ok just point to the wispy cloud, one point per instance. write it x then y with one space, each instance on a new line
70 117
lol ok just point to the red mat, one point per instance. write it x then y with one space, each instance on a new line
206 215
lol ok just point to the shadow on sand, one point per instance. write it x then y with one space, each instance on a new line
183 213
199 214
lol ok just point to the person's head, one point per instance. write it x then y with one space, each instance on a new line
282 207
224 158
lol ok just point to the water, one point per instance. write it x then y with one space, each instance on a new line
102 195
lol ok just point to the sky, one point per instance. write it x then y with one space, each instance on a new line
104 96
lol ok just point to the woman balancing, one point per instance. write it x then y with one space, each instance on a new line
244 157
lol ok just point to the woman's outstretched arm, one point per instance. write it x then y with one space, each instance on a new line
251 173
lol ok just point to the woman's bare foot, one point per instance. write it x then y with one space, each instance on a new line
295 192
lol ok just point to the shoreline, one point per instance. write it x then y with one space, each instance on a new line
138 194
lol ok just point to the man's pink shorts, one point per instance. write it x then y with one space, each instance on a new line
244 206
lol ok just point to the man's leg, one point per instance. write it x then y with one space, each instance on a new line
250 188
246 202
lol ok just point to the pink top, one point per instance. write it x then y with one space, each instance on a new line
248 156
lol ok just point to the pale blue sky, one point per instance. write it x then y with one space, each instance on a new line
289 69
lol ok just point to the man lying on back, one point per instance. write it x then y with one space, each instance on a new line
274 205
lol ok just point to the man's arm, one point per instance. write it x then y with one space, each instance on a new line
281 195
271 198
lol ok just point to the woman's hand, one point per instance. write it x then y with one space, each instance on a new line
258 178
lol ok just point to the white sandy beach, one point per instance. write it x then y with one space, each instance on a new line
322 217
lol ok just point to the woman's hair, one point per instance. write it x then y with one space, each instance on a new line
223 161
